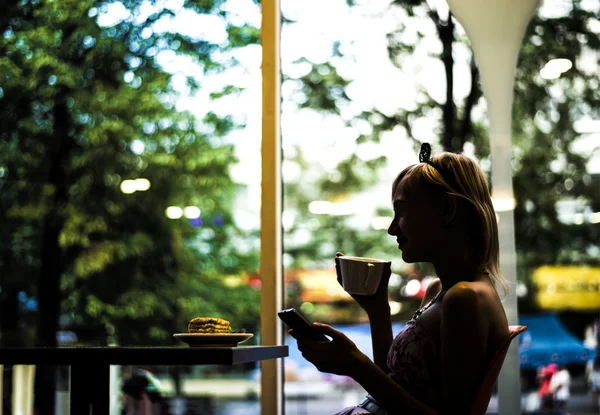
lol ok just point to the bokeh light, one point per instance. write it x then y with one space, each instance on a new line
174 212
191 212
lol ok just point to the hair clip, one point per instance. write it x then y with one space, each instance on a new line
425 153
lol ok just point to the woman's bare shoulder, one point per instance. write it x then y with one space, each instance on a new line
475 296
481 302
474 290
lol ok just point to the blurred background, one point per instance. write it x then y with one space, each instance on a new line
130 137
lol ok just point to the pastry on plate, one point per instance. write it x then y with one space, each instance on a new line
210 325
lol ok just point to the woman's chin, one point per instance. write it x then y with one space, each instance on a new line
412 257
406 257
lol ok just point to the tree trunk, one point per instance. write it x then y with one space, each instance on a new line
474 94
446 35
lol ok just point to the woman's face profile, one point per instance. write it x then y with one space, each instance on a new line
416 223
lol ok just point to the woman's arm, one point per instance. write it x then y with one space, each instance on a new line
380 321
389 394
377 308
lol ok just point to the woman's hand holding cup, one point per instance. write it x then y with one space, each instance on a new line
365 279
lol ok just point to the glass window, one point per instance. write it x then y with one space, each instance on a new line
129 174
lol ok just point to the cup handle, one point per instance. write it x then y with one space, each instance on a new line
369 274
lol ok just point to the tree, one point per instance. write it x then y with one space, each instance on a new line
84 106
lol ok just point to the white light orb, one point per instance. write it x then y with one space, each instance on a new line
174 212
128 186
142 184
191 212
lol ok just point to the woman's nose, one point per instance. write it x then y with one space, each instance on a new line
392 228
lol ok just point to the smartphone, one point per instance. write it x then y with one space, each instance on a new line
300 324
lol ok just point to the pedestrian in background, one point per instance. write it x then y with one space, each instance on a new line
545 393
560 385
142 392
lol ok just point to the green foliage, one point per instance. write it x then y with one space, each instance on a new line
322 87
76 98
547 170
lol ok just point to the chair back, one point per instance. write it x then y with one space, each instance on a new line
484 393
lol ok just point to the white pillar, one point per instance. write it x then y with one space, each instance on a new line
30 377
22 397
115 389
271 381
18 391
496 28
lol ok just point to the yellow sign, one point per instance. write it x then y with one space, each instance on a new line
568 287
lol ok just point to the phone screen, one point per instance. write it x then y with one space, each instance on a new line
300 324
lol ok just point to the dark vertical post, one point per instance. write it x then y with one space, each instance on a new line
90 388
51 264
78 390
99 389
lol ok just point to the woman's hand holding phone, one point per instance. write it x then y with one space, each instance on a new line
300 324
339 356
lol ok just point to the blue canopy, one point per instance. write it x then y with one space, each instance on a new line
547 341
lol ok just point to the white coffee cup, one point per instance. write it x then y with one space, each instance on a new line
361 275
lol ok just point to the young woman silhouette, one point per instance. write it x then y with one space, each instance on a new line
443 215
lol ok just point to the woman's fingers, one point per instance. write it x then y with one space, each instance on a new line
337 272
328 330
337 267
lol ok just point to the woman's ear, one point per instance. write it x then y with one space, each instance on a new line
449 209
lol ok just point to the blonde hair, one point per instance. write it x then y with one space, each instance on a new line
460 177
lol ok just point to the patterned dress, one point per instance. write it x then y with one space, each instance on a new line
414 361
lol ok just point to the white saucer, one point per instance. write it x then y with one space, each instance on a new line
213 339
